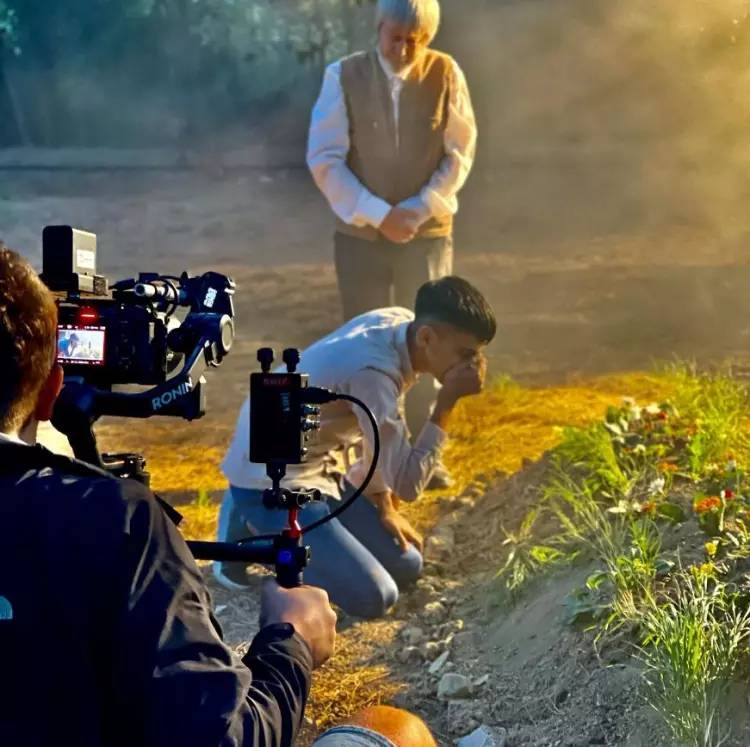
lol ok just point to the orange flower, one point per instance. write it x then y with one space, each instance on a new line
707 504
668 467
648 508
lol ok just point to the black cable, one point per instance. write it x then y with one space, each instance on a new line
167 280
330 397
370 472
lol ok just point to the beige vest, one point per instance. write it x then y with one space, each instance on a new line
396 168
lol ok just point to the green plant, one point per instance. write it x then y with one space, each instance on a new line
586 522
528 558
717 405
612 595
203 500
694 635
591 453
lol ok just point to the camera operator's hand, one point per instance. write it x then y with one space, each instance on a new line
400 225
308 610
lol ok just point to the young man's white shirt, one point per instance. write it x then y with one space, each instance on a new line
328 146
367 358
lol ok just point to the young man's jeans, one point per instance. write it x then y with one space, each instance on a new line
354 558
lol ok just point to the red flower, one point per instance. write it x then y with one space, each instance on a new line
662 415
728 494
707 504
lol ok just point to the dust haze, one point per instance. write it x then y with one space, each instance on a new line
606 216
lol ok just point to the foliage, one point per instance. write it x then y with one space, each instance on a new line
615 488
527 558
694 637
191 65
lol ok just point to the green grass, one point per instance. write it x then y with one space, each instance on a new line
694 637
718 405
528 558
612 488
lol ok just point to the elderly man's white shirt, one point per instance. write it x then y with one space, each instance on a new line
328 146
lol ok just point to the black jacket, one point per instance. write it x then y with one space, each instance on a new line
106 630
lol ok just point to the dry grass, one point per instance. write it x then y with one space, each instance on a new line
350 681
492 434
495 433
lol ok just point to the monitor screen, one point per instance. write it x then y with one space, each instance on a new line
82 345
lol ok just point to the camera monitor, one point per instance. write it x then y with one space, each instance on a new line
81 345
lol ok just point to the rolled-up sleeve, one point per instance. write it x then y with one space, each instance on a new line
402 468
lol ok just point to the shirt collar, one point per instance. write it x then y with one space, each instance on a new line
390 73
10 438
402 346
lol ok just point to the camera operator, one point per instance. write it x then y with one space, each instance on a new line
106 631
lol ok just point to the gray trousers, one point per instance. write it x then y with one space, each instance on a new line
375 274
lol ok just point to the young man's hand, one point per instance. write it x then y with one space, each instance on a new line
463 380
399 226
308 610
394 522
398 525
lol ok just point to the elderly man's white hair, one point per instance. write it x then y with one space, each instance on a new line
420 15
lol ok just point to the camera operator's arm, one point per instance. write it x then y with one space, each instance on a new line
402 468
178 675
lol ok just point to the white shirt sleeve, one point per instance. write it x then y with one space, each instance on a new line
439 196
402 468
327 149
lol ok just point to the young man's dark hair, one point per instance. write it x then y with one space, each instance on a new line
455 301
28 323
106 630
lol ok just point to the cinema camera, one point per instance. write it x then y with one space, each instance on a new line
131 334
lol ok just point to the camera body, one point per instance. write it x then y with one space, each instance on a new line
107 342
130 333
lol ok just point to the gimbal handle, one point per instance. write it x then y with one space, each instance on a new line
285 553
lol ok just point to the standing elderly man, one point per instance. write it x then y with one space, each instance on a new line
392 141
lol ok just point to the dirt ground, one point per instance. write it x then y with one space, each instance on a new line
584 301
568 306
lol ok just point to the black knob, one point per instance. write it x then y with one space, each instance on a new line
291 358
265 357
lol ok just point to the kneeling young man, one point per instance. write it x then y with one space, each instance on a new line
364 556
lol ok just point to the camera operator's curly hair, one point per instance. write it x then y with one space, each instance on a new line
28 328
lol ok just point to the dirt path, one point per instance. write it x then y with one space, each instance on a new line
566 308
